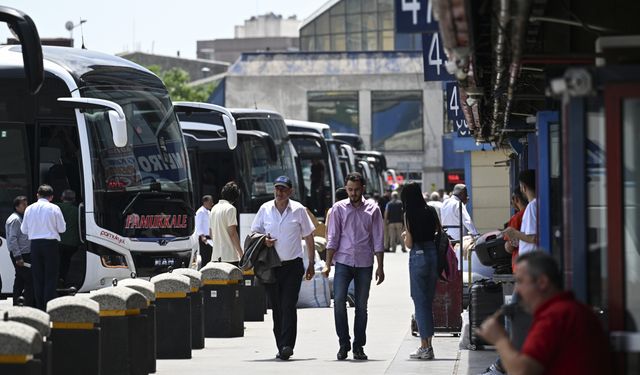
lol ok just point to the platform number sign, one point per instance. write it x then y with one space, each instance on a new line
434 58
415 16
454 109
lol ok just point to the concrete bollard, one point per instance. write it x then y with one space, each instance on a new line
148 290
173 316
19 343
223 305
254 298
39 320
197 306
123 330
76 338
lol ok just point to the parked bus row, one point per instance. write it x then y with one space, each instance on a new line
107 129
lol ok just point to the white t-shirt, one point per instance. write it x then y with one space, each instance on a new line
287 228
223 215
529 226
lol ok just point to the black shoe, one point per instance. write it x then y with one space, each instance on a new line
285 353
358 354
342 353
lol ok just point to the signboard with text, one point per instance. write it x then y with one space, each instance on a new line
434 58
454 109
414 16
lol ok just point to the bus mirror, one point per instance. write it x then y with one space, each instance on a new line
26 32
231 130
118 128
117 119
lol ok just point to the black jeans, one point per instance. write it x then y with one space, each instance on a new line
205 253
283 295
23 282
45 263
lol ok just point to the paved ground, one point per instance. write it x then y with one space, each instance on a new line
389 341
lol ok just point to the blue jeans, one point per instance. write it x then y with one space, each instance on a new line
362 280
423 263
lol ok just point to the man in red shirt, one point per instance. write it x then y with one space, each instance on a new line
565 336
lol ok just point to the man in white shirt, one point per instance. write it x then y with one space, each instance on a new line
285 222
202 228
450 214
224 226
434 201
527 235
42 223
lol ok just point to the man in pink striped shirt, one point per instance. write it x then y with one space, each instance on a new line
355 235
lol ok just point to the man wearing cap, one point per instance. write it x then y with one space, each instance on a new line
450 214
285 222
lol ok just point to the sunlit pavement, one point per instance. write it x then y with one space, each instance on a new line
389 341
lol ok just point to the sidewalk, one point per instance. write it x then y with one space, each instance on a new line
389 341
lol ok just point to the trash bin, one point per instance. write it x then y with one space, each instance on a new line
254 298
173 316
76 338
223 304
197 306
123 330
19 343
39 320
148 290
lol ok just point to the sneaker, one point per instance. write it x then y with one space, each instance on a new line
422 353
285 353
493 370
358 354
342 353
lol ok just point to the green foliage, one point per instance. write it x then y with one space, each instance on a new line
177 80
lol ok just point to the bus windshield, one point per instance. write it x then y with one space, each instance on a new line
142 189
155 152
262 170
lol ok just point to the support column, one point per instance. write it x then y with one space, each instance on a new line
364 116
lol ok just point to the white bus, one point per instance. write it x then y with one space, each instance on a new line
105 128
264 152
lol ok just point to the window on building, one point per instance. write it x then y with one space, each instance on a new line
396 120
356 22
338 109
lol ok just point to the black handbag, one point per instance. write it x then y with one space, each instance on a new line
442 247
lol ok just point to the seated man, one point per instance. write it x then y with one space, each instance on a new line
565 336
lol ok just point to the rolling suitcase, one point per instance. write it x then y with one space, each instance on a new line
447 302
485 299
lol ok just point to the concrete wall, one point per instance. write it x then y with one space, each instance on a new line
229 50
287 94
490 190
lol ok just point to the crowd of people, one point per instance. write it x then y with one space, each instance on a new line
43 237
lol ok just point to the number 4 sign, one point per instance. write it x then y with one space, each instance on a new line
434 58
454 110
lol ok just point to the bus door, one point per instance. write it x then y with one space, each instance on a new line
15 173
316 170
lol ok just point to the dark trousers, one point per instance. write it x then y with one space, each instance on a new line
205 253
45 264
66 252
362 281
283 295
23 282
